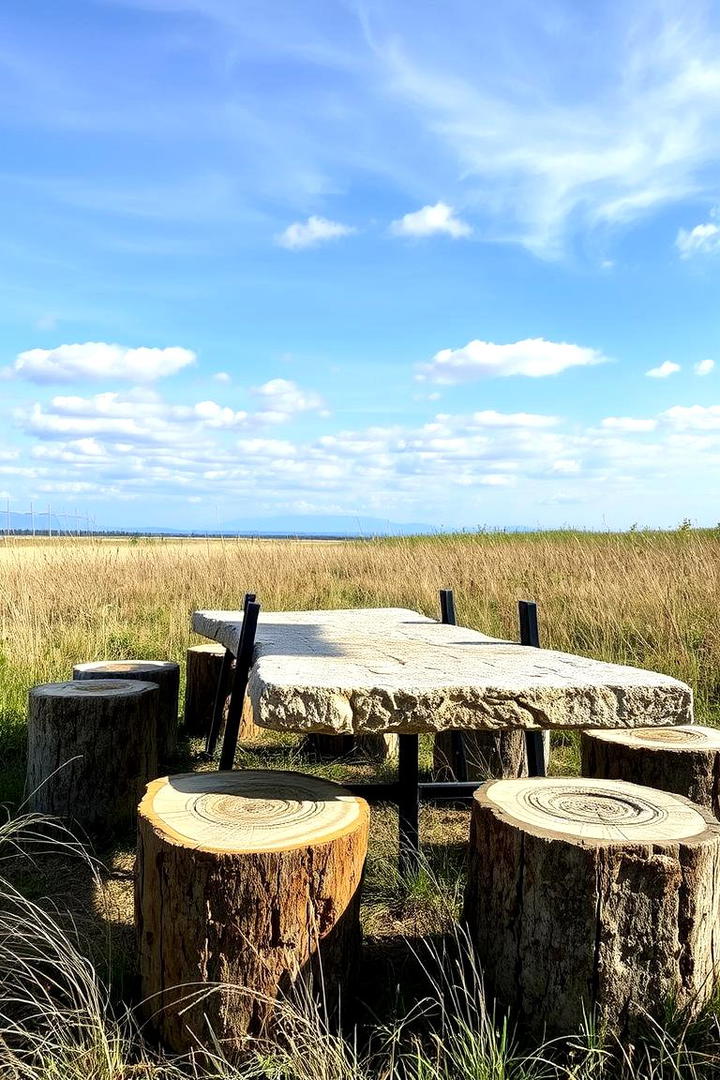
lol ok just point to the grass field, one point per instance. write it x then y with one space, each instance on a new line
644 598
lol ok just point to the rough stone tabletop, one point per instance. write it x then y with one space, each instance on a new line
389 669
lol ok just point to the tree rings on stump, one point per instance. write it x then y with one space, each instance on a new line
593 894
249 879
683 759
92 748
164 673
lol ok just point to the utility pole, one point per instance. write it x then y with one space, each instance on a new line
32 519
49 520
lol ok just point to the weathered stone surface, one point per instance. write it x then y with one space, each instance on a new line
390 669
593 896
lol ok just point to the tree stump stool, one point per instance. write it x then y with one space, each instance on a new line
92 748
381 747
164 673
202 672
593 893
684 759
250 879
488 755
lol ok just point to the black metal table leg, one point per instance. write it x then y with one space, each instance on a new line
457 743
222 691
243 663
408 802
530 635
223 685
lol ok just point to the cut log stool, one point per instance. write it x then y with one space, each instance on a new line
683 759
593 893
202 671
488 755
92 748
248 878
166 675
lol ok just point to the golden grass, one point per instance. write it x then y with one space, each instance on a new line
650 599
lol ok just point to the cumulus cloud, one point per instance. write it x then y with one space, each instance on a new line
219 416
704 367
431 220
490 418
702 240
628 423
310 233
281 398
534 357
222 376
99 360
664 370
697 417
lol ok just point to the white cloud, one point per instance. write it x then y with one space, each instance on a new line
628 423
702 240
316 230
697 417
282 398
222 377
490 418
430 220
219 416
664 370
99 360
534 357
704 367
542 161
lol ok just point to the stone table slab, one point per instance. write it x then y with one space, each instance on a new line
391 669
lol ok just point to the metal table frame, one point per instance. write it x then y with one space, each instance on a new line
407 791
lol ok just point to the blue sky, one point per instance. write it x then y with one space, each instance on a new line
452 263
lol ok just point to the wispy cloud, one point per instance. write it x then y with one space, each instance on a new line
704 367
534 357
429 221
310 233
541 158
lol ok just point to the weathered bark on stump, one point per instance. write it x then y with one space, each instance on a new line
202 671
250 879
488 755
92 748
684 759
164 673
596 893
378 747
329 746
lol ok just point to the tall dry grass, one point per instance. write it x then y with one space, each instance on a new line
650 599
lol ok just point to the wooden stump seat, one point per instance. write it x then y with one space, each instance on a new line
202 671
164 673
488 755
92 749
593 894
250 879
683 759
